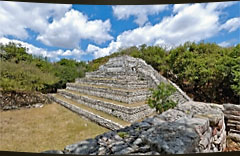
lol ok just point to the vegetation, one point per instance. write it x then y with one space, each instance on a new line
123 134
21 71
205 71
160 98
24 77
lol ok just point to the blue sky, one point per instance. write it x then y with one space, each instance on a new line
86 32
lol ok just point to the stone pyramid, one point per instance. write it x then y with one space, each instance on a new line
114 96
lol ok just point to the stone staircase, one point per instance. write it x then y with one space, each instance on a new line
113 96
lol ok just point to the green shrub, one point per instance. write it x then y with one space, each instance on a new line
160 98
23 77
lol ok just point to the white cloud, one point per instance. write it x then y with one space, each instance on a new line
53 55
67 31
141 12
194 22
231 24
224 44
15 17
55 24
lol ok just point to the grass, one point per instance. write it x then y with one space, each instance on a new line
39 129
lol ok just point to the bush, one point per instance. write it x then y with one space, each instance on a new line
160 98
23 77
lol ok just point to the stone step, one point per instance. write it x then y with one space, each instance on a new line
122 95
116 83
130 113
116 75
94 115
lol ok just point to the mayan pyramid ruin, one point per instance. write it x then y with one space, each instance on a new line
114 96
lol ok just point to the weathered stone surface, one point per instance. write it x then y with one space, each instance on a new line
200 125
126 67
232 112
53 152
233 122
130 114
173 138
231 107
98 119
234 136
232 117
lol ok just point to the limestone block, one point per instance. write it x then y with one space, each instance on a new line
231 107
232 117
234 136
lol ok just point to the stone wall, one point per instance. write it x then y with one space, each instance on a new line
124 84
232 116
113 94
188 128
130 114
17 100
93 117
136 69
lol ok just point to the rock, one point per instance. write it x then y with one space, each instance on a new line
171 115
205 139
137 141
144 125
157 121
119 147
84 147
201 124
53 152
232 112
144 149
125 151
232 117
231 107
173 137
212 116
38 105
233 122
101 151
117 137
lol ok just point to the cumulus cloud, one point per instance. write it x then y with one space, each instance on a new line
56 25
15 17
74 26
190 22
140 12
53 55
232 24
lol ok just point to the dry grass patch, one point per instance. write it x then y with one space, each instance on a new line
40 129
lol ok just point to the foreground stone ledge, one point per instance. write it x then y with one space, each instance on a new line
162 134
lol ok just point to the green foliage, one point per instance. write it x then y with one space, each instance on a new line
205 71
69 70
25 72
160 98
14 52
123 134
235 70
23 77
